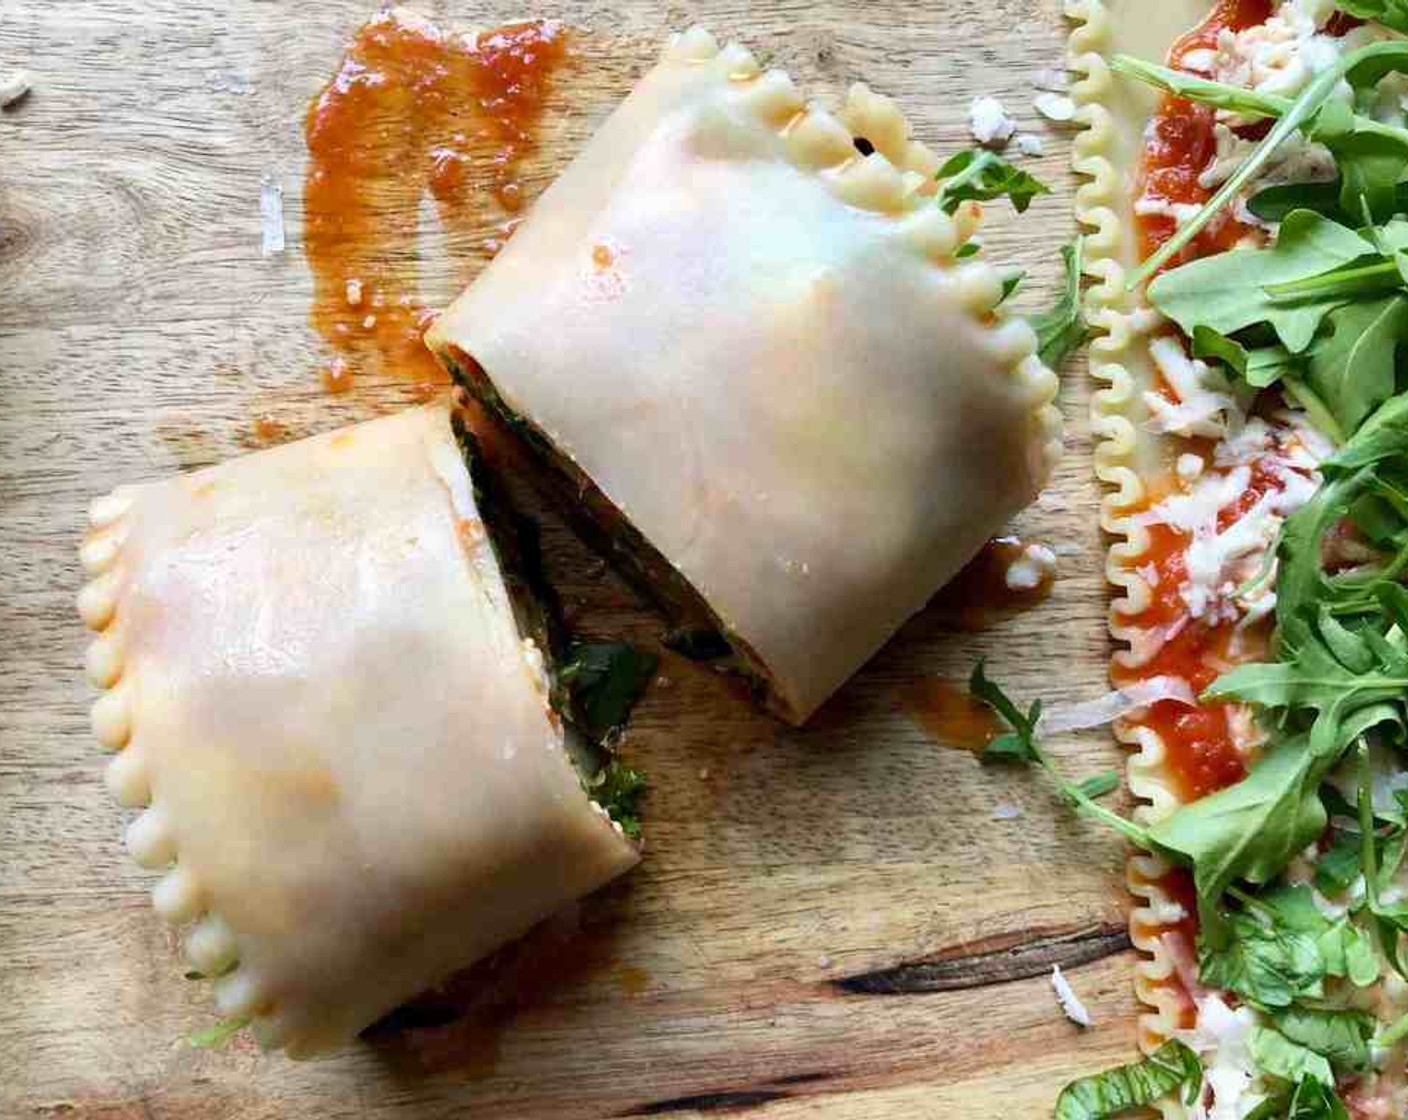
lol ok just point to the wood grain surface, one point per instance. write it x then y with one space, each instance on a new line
828 922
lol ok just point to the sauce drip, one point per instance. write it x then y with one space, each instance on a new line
950 714
1182 143
983 594
411 111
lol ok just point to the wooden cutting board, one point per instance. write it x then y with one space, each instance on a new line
834 921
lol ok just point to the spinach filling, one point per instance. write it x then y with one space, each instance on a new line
594 685
697 632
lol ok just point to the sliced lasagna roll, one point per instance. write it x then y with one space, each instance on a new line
317 680
748 354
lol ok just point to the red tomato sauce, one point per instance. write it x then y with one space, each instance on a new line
1182 143
412 111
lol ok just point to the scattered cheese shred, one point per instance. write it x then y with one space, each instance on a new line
271 218
990 124
1105 709
13 86
1067 998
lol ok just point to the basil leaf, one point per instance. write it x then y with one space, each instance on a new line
979 175
1228 292
1062 330
1270 965
1341 1037
1348 952
603 681
1277 1055
1170 1068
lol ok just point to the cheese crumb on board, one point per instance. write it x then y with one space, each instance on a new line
1067 998
989 122
13 86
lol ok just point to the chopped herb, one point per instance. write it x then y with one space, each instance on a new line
618 789
603 681
221 1033
1172 1068
979 175
1062 329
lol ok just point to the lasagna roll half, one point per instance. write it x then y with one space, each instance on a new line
317 681
746 350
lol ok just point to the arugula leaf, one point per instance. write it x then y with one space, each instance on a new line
1208 343
603 681
1248 831
981 176
1277 1055
1169 1069
1352 370
1101 784
1391 13
618 789
1339 864
1010 283
1228 292
1021 745
1062 330
1341 1037
1370 161
219 1034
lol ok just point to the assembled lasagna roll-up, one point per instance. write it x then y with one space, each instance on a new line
750 349
317 683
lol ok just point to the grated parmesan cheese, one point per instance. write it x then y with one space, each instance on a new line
1035 565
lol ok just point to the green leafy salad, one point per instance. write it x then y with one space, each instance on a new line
1298 975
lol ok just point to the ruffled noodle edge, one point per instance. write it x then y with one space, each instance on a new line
896 179
179 897
1110 309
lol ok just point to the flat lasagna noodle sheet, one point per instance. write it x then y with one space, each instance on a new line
314 679
757 345
1115 115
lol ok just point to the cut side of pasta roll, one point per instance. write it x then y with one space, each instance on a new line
335 705
1245 164
753 358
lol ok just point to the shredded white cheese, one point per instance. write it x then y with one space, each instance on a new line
1220 1037
13 86
1030 145
1204 404
989 122
1035 566
1067 998
1055 107
271 218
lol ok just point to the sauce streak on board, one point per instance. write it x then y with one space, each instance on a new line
1182 143
980 595
950 714
412 110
